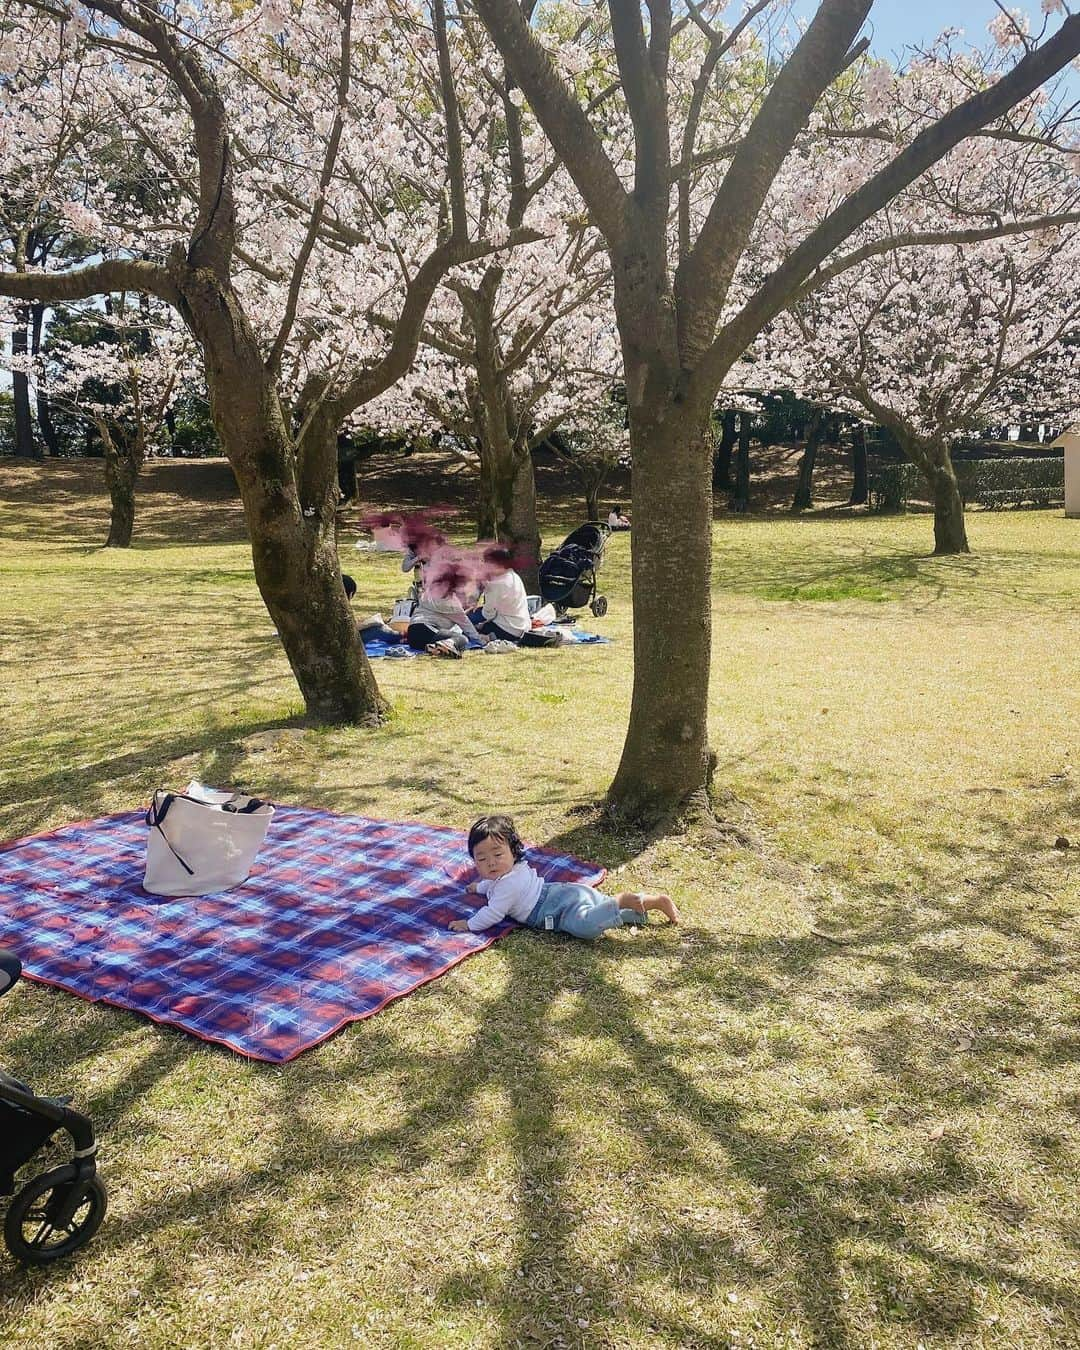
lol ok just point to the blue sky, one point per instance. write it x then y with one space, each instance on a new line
895 23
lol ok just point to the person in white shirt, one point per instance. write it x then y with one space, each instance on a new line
616 520
505 611
512 889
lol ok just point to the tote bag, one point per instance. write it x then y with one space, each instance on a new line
202 840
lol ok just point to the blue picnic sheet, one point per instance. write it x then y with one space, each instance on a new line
340 915
376 647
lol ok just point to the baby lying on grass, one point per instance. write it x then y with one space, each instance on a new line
513 890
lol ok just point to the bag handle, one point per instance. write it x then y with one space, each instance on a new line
252 805
156 814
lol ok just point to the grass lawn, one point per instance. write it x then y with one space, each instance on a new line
839 1107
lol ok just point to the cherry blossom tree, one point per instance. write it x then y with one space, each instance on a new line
514 344
122 378
936 342
593 443
709 240
47 115
292 172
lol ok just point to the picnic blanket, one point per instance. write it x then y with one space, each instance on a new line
376 647
341 915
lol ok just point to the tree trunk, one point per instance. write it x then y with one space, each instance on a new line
592 500
950 529
666 762
804 487
524 532
124 457
740 500
507 506
348 482
932 457
721 476
859 486
25 444
44 412
289 495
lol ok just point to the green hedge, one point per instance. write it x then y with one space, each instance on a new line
991 483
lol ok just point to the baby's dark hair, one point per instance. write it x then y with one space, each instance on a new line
349 584
497 827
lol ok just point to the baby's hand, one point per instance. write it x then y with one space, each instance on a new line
471 887
459 926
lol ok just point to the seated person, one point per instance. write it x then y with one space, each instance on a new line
616 520
439 624
505 612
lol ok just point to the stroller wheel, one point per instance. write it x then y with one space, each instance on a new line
599 606
33 1230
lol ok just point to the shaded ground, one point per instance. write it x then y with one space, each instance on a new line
838 1108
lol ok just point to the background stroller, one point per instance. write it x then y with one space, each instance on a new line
568 576
59 1210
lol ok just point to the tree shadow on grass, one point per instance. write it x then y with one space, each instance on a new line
608 1093
31 798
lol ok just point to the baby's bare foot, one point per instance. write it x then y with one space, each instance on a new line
664 904
643 903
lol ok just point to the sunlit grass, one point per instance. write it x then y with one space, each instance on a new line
838 1108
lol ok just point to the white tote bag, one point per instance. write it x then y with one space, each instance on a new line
202 840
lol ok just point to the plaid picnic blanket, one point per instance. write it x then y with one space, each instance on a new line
341 915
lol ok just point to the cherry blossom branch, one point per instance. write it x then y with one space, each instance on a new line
920 239
718 44
925 150
643 73
213 237
377 377
566 123
459 225
113 274
704 275
333 143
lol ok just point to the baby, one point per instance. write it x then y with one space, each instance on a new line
513 890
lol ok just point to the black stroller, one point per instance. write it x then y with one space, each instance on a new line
59 1210
568 576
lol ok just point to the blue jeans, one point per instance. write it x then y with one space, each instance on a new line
570 907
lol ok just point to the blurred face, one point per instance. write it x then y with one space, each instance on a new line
493 859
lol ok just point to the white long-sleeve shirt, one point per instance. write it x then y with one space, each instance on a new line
510 897
505 601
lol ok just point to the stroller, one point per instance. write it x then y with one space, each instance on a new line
568 576
57 1211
